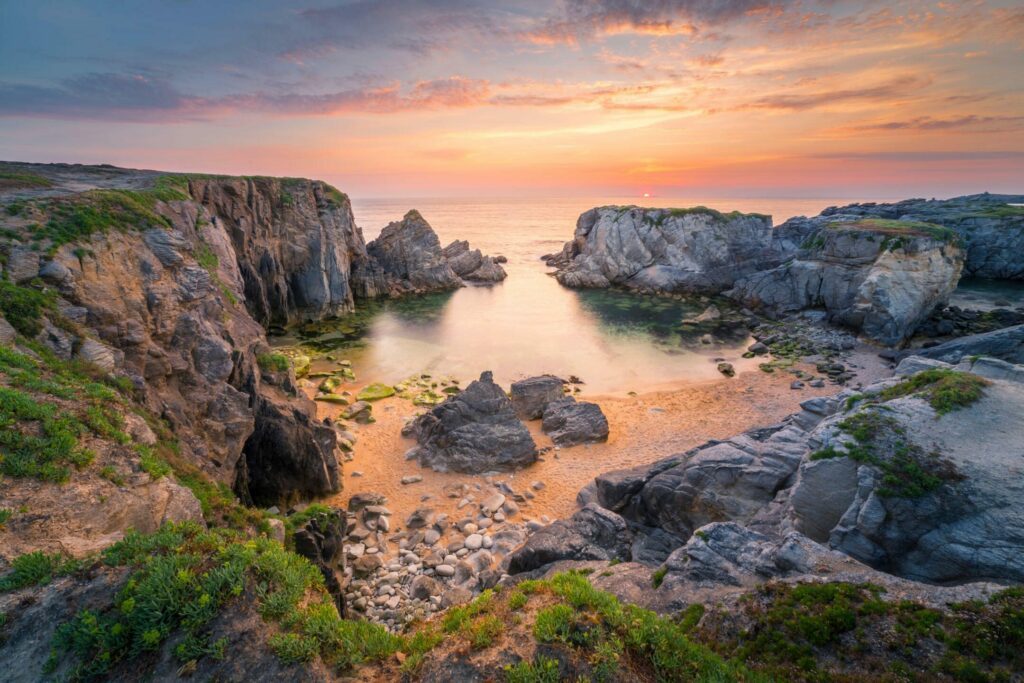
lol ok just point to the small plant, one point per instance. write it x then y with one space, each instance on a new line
541 670
946 390
23 307
5 516
276 362
36 569
658 576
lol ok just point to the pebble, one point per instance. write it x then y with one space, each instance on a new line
445 570
474 541
431 537
411 479
357 473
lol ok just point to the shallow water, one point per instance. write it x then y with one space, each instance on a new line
985 295
529 324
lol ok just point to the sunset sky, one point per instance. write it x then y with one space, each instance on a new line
566 97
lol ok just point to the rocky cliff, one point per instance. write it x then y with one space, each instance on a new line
667 250
881 278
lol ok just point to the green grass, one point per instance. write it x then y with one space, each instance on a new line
14 179
36 569
23 307
945 390
895 230
658 576
541 670
1004 211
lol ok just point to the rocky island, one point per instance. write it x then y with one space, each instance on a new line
169 502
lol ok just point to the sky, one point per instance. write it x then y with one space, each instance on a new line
415 98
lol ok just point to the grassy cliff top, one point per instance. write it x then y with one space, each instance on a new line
897 228
660 214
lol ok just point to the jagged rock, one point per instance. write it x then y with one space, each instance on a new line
530 396
410 255
365 499
471 264
424 587
671 250
474 431
867 276
22 264
570 422
97 353
592 533
7 332
321 542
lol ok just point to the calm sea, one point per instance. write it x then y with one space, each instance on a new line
530 324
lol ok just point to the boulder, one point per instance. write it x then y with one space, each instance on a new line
320 541
474 431
471 265
867 275
668 250
530 396
592 533
1006 344
570 422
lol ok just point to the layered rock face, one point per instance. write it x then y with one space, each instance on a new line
175 299
474 431
991 229
410 255
869 276
668 250
895 479
471 265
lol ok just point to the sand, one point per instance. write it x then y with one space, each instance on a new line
643 429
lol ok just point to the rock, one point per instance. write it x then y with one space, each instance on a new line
375 392
431 537
669 250
367 564
424 588
474 541
474 431
365 499
360 411
445 570
592 533
530 396
727 369
22 264
411 479
471 264
419 518
1006 344
455 596
492 503
410 256
758 348
867 276
569 422
7 332
98 354
321 542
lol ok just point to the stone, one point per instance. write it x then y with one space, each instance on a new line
665 250
474 431
424 588
367 564
411 479
471 265
375 392
492 503
592 533
445 570
420 518
364 499
530 396
570 422
727 369
360 411
410 257
22 264
474 541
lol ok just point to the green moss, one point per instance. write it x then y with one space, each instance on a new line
1004 211
718 215
375 392
338 198
276 362
946 390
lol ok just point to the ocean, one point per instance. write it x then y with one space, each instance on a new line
529 324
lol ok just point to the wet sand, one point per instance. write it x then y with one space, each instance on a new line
643 429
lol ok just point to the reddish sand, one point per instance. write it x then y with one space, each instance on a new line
643 429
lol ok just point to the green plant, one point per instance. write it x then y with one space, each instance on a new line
36 569
277 362
658 576
5 516
541 670
946 390
23 307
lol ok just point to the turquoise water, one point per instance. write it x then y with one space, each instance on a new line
529 324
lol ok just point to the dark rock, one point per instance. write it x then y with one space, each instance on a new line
410 255
569 422
321 542
530 396
592 533
474 431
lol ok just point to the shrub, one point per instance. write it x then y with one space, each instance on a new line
23 307
36 569
541 670
946 390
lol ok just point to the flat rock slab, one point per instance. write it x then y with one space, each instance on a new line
570 422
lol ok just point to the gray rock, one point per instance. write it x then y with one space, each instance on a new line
569 422
22 264
410 255
166 246
1006 344
530 396
7 332
592 533
97 353
424 587
471 265
663 249
474 431
364 499
420 518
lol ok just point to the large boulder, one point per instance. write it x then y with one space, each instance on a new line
1006 344
872 276
474 431
410 255
670 250
531 395
570 422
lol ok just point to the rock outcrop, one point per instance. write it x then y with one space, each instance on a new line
471 265
879 279
473 431
411 258
531 395
907 476
1006 344
990 227
666 250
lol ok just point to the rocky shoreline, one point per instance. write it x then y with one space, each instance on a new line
160 457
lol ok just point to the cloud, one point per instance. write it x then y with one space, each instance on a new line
581 20
93 96
991 124
894 88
